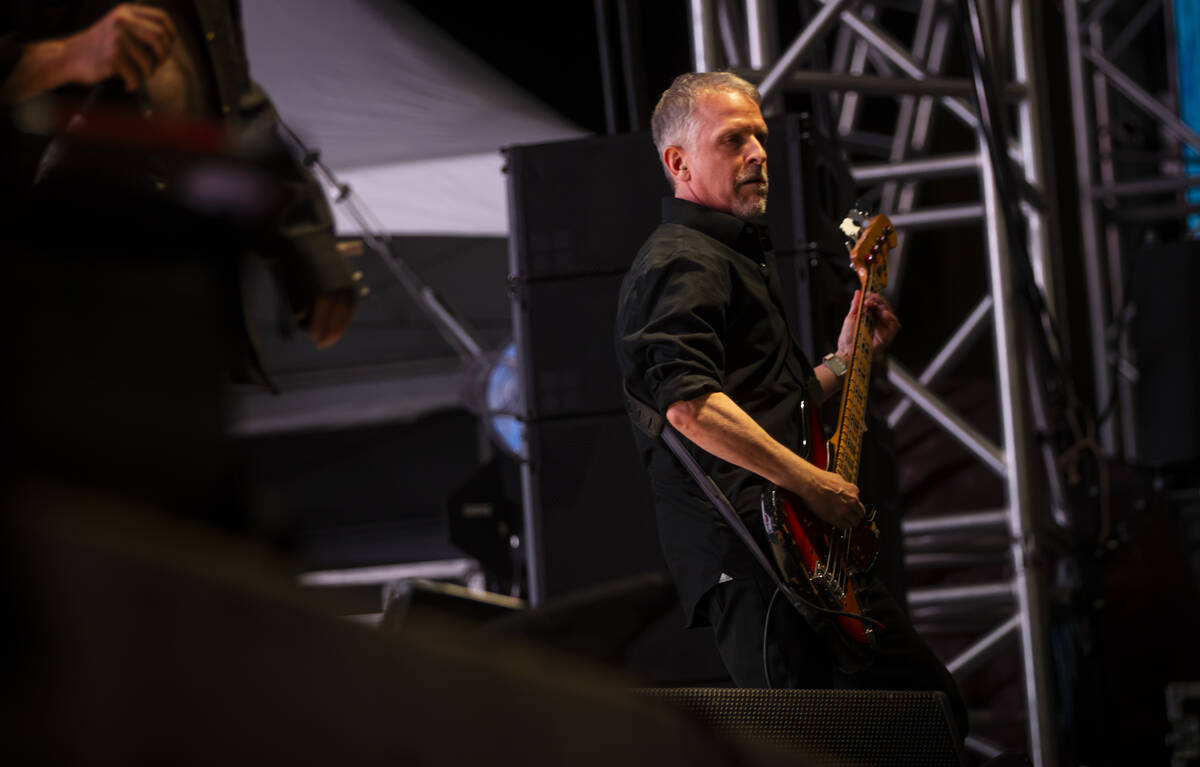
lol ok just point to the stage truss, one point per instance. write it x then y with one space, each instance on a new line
867 59
1115 199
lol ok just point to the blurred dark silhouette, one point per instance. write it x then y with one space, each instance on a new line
143 622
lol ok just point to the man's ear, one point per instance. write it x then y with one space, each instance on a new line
676 162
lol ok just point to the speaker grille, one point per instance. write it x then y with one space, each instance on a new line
830 727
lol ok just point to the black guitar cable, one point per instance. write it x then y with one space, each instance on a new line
766 625
825 610
842 614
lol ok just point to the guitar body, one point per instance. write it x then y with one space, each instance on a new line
802 545
812 555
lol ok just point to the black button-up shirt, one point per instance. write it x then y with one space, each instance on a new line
700 311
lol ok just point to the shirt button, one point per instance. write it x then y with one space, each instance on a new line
209 36
225 109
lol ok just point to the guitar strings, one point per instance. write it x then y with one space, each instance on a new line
837 562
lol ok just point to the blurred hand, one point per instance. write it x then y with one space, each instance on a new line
328 317
886 324
130 42
832 499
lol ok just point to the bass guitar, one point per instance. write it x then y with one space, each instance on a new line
813 556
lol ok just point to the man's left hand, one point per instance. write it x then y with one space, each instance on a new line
884 320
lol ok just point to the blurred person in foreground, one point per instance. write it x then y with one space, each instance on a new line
172 62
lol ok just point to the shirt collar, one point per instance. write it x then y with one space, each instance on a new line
743 236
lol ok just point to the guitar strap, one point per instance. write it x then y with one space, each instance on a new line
655 426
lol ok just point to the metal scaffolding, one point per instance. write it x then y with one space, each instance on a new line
1106 185
867 59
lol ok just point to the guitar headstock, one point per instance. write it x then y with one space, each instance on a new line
869 240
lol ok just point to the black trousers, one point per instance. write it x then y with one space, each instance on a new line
795 657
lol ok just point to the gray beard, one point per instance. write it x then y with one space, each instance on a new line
750 209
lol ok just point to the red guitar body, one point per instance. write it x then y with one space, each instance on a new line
814 556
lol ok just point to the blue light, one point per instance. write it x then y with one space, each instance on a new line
502 397
1187 56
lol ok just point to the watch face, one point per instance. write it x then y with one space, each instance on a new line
834 363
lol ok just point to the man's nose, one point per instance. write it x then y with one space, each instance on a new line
756 152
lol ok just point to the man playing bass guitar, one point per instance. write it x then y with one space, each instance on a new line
702 338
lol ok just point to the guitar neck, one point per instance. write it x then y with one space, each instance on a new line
847 439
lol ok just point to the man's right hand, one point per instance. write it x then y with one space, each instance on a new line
831 498
130 42
719 426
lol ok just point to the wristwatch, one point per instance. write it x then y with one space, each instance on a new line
835 364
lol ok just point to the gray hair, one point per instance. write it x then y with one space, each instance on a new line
673 124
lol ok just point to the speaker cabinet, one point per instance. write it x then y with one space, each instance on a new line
582 207
571 365
597 512
597 526
1167 340
831 727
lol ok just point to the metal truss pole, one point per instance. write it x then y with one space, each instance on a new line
910 129
704 38
1031 140
1027 585
1103 196
1094 272
759 49
911 73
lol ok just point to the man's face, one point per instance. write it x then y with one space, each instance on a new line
726 166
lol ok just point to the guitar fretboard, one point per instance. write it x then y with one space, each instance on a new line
847 440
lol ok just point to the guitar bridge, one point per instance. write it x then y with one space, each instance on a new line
829 584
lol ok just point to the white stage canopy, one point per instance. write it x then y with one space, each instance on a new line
411 119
